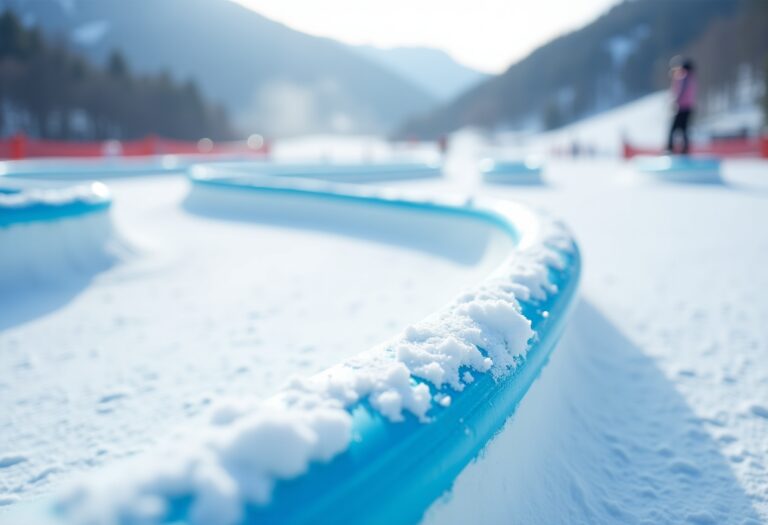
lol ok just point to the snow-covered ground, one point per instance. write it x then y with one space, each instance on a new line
206 305
653 409
643 122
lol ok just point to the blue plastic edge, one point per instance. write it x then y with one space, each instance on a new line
513 169
434 207
393 472
44 212
673 163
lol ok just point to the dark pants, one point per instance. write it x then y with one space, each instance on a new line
679 124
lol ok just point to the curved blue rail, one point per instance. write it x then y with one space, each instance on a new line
391 471
511 172
225 179
394 471
26 203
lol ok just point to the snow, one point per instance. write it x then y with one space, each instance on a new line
53 233
678 168
349 172
55 253
644 414
645 122
140 346
237 459
500 171
327 148
653 409
246 448
745 119
17 194
641 122
58 169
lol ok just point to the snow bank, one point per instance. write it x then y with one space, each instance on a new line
49 232
379 436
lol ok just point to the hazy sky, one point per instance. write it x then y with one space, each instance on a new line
484 34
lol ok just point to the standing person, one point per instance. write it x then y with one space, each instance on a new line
684 96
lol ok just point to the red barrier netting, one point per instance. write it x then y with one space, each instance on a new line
23 147
737 147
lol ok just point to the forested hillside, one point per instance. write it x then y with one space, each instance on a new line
272 79
619 57
733 58
49 91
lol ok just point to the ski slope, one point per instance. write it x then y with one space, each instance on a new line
643 122
653 408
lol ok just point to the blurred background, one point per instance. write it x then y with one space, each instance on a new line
110 338
222 70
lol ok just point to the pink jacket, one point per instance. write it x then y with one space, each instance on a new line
684 90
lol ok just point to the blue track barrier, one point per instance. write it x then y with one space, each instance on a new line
511 172
24 202
393 470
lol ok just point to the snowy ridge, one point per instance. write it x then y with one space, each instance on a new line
424 403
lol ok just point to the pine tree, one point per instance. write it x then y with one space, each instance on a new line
49 83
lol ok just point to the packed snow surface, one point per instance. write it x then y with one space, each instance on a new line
643 122
653 409
249 445
206 305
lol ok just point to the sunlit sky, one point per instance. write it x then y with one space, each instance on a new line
485 34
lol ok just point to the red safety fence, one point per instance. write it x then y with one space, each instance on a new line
737 147
23 147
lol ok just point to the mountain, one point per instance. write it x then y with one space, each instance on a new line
433 70
615 59
733 53
272 79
